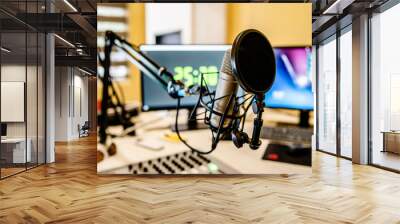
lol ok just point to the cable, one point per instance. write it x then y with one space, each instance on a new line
121 92
178 106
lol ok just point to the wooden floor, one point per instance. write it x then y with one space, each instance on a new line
10 171
70 191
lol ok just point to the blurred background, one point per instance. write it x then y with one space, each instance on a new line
285 25
288 26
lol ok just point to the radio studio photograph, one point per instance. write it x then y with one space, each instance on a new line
199 111
209 89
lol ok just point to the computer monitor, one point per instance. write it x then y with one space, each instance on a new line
186 62
292 88
3 130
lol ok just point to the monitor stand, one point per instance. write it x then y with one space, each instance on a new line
304 121
190 124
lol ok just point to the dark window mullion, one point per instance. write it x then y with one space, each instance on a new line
26 87
369 100
37 91
338 98
316 97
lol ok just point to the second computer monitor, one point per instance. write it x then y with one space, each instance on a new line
186 62
292 88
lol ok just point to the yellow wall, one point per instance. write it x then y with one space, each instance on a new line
284 24
137 37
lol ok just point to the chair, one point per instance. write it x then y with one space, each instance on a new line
84 129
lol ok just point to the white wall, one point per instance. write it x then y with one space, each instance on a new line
71 93
61 103
50 96
165 18
14 73
80 98
33 125
13 101
198 23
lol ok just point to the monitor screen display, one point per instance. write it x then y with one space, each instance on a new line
292 88
186 62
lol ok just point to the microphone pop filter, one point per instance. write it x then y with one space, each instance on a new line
253 61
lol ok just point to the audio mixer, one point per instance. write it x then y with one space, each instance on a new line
186 162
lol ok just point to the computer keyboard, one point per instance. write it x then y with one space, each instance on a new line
288 134
187 162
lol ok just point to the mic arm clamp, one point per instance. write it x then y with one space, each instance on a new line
258 108
239 137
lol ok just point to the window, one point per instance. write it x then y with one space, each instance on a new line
22 77
327 96
385 89
346 92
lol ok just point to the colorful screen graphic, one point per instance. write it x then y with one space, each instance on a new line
292 87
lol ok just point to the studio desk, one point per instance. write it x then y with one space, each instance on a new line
132 158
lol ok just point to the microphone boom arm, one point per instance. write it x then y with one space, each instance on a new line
150 68
174 88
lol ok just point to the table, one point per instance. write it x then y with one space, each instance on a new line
391 141
18 149
227 156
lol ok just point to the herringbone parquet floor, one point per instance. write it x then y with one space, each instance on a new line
70 191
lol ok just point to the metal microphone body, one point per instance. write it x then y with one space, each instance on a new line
226 87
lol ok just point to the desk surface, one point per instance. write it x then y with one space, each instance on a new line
390 132
13 140
227 156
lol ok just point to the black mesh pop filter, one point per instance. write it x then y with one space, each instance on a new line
253 61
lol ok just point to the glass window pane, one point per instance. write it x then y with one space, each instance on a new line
13 86
41 98
31 97
327 96
14 153
385 84
22 87
32 85
346 94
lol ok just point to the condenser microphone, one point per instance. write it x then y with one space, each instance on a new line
250 64
225 94
253 65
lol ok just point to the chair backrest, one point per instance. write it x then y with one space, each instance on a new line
86 125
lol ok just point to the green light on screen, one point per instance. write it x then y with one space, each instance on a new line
190 76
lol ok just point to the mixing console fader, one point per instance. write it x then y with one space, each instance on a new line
187 162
